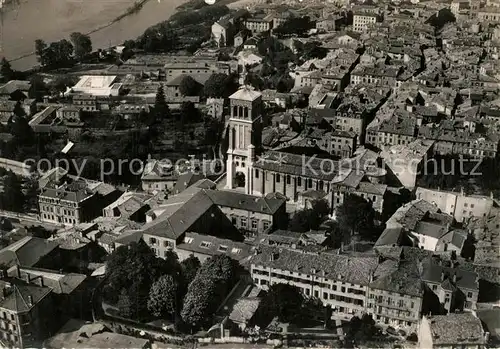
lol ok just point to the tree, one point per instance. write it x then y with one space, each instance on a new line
189 113
12 197
362 330
82 45
40 47
310 218
135 268
163 296
161 108
6 70
294 26
283 301
216 85
210 286
189 86
190 267
356 214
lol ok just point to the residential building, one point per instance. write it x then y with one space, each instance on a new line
342 143
405 162
158 176
453 330
200 69
73 200
17 90
458 204
454 288
395 131
339 281
87 102
206 246
259 23
25 313
31 251
361 21
488 14
221 214
395 297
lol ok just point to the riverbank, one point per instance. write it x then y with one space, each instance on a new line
99 18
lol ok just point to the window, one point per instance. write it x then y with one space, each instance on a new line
288 179
243 222
236 250
299 181
278 178
316 294
256 173
222 248
254 224
471 205
152 241
265 225
325 295
466 204
167 244
310 184
205 244
469 294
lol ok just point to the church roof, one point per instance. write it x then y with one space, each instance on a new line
246 94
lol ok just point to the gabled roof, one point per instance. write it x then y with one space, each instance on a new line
21 297
26 252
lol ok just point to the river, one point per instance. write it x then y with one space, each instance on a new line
24 21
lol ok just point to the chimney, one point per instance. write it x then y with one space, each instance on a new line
455 278
486 336
27 278
39 281
30 300
442 275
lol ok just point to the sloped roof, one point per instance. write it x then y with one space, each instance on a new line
21 297
26 252
246 94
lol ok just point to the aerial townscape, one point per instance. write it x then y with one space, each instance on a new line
255 174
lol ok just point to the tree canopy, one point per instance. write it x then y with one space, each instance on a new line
162 300
82 45
161 109
219 85
310 218
362 330
356 214
283 301
12 197
209 287
6 70
190 267
135 268
189 86
298 26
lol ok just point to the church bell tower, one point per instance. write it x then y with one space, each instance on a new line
245 133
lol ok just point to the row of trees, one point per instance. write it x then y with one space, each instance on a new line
143 285
63 53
